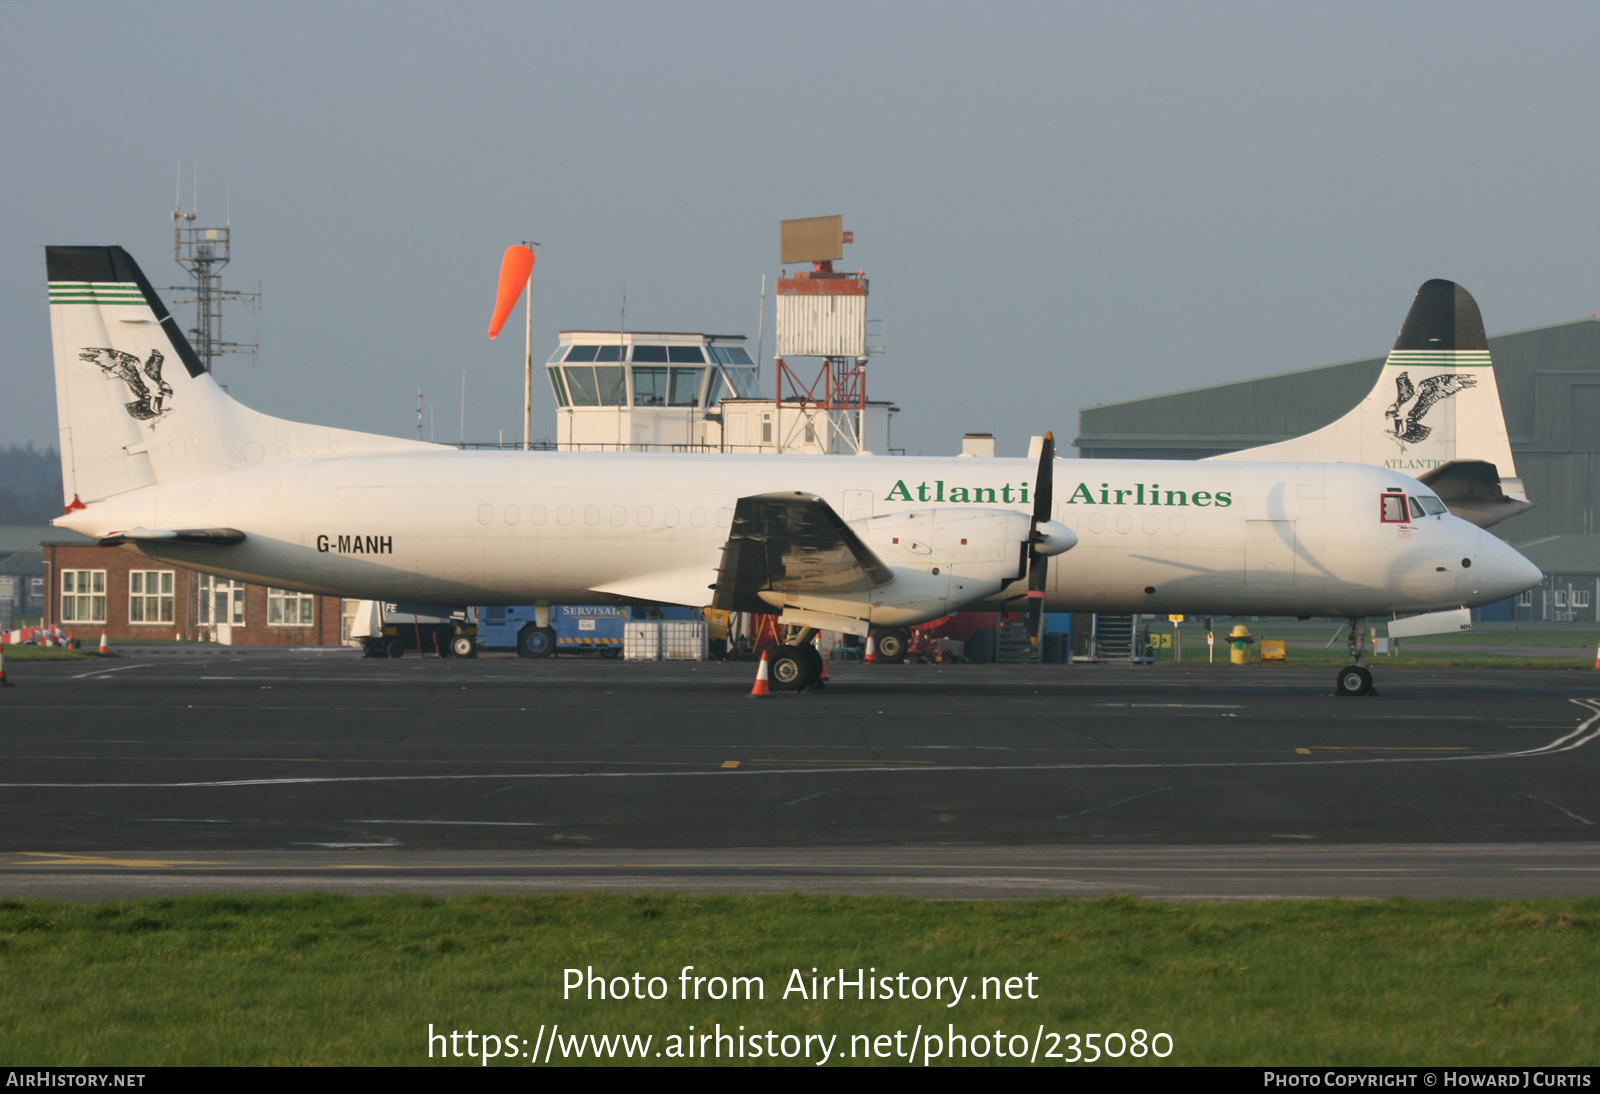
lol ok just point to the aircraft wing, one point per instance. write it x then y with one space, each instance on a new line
791 542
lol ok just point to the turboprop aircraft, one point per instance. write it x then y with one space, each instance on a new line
158 459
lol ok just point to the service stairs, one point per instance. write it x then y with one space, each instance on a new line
1113 637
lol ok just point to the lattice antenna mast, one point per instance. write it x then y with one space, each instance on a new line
203 252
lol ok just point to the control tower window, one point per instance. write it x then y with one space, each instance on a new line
686 386
558 387
683 355
651 354
612 384
719 390
581 353
737 356
744 381
580 382
649 384
608 353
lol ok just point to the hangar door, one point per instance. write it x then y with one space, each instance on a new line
1269 552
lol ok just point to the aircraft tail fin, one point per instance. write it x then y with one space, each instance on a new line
1434 413
135 404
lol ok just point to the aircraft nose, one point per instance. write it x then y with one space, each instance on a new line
1502 570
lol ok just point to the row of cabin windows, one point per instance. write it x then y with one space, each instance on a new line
619 516
640 385
151 599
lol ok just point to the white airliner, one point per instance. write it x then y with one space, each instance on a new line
157 458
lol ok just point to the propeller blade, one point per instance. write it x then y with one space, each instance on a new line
1039 564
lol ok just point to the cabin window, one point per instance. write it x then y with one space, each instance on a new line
650 354
1433 506
1394 508
649 386
685 386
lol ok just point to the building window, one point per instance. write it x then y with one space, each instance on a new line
290 609
83 596
221 601
150 596
1525 600
1561 598
1580 598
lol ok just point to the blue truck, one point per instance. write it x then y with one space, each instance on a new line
574 628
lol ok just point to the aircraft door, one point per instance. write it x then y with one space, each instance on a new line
1269 552
857 504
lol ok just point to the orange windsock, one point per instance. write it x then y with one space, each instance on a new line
515 269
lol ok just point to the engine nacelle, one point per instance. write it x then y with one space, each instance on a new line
943 560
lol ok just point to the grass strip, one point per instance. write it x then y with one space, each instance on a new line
328 979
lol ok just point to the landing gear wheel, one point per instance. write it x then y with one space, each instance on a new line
535 641
463 646
793 668
1354 680
891 646
393 648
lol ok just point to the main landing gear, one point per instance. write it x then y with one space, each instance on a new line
1355 679
796 665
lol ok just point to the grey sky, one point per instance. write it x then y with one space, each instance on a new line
1058 205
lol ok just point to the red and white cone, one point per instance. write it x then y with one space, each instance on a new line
761 678
872 651
105 647
823 677
4 683
1597 656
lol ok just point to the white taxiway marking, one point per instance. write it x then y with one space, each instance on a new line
102 672
1587 731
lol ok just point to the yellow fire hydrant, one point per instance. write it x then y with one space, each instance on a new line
1239 639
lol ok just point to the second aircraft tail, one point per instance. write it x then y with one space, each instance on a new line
1434 414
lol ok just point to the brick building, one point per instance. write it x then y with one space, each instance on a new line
89 588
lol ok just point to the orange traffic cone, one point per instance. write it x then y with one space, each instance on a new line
761 678
105 648
4 683
1597 656
824 677
872 652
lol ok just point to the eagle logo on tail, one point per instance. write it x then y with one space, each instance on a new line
1407 423
147 404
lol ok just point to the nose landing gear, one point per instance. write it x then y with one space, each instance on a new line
1355 679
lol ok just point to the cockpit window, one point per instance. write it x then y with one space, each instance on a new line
1394 508
1433 506
1416 509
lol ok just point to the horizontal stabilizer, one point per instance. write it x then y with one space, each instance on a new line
207 537
1474 491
